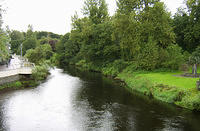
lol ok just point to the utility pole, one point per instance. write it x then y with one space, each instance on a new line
21 49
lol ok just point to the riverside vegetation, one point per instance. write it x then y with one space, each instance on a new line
39 74
142 44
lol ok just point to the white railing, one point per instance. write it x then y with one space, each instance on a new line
24 67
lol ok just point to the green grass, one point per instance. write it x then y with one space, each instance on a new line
165 78
165 86
170 79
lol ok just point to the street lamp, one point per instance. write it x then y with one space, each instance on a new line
21 49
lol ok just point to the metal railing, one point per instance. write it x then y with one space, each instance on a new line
24 65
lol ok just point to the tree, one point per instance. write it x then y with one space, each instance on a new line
182 27
30 41
4 42
4 47
61 49
187 26
143 28
39 54
96 10
194 60
17 38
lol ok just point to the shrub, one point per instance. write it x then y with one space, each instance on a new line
40 72
147 59
18 84
114 68
190 100
174 58
39 54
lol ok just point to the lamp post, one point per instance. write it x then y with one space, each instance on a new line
21 49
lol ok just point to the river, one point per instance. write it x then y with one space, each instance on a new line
73 100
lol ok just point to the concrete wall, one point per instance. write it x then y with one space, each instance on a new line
9 79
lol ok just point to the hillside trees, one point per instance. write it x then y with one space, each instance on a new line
187 25
4 42
140 32
143 29
91 36
17 38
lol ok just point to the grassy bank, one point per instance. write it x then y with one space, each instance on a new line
39 74
167 86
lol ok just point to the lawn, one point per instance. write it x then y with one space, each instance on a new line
165 86
170 79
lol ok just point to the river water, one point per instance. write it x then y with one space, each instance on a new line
73 100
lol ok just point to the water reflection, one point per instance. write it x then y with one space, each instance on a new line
80 101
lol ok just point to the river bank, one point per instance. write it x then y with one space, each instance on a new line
71 99
39 74
164 85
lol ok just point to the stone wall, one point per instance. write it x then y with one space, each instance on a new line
9 79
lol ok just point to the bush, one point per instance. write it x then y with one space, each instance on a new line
174 57
147 59
39 54
114 68
40 72
18 84
132 66
191 100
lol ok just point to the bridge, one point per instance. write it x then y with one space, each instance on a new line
18 66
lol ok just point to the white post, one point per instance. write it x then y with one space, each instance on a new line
21 49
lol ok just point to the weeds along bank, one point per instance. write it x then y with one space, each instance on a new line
166 86
39 74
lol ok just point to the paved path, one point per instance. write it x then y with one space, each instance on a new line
16 66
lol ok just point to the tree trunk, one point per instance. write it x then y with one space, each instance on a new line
194 70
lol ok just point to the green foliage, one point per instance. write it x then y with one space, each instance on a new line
96 10
18 84
174 57
12 85
45 34
17 38
187 26
167 94
164 86
195 57
148 56
4 50
39 54
181 28
4 42
29 43
114 68
40 72
190 100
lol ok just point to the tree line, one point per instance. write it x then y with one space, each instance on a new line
4 42
142 33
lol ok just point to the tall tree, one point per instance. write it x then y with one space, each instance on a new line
142 27
96 10
30 41
17 38
187 26
4 42
96 32
182 27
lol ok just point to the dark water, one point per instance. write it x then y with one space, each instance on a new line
81 101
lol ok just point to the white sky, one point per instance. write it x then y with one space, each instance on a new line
52 15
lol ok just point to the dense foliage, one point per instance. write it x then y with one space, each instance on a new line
139 33
4 42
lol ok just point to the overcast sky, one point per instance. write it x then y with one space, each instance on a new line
52 15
